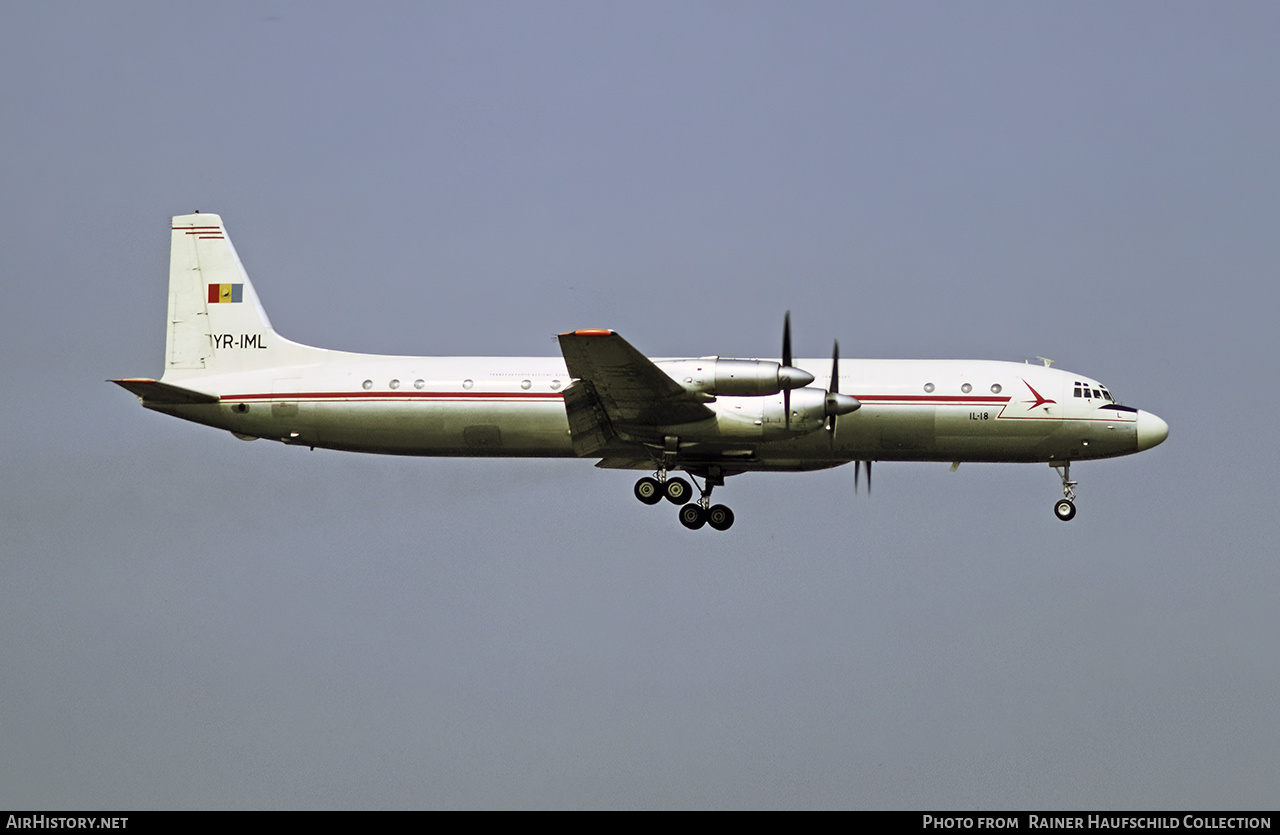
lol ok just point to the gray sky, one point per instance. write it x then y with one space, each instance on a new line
188 621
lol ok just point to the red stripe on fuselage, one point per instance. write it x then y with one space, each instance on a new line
940 400
883 399
397 395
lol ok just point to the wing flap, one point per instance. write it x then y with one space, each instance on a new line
589 425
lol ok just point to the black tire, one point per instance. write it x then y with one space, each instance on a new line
648 490
678 490
1065 510
693 517
720 517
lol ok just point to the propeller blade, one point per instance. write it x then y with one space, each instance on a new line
835 386
786 363
835 368
786 339
857 471
868 478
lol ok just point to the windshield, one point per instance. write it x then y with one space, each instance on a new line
1092 391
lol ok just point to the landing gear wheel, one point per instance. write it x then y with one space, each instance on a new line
693 517
720 517
648 490
678 490
1065 510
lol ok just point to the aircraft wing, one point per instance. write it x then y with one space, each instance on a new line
620 391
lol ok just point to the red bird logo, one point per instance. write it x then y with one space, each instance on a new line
1040 401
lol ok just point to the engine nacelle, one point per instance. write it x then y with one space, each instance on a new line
735 378
810 408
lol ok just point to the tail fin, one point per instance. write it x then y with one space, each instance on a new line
216 323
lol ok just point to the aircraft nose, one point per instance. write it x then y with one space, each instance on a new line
1151 430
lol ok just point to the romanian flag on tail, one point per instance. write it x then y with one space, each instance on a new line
225 293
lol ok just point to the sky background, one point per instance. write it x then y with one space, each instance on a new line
189 621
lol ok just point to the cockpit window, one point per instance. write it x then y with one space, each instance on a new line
1086 390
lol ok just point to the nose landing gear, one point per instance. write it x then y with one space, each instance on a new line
1065 508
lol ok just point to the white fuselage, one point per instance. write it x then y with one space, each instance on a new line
923 410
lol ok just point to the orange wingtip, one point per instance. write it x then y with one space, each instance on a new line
590 332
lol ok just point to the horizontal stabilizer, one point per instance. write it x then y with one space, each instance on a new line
155 392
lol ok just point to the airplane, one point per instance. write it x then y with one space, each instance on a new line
709 417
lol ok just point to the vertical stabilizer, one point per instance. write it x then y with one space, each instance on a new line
216 323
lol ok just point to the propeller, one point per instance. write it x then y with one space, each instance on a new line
837 404
834 404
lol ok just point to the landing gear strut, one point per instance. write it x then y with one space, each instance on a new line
1065 508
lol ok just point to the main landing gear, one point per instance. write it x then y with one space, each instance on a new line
693 515
1065 508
